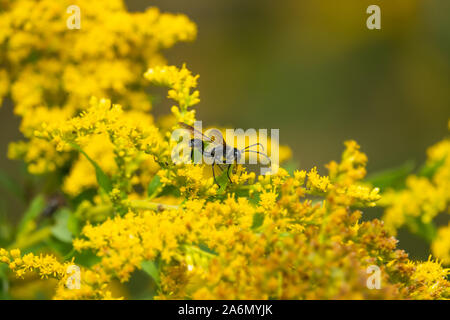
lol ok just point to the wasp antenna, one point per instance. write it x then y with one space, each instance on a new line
256 144
263 154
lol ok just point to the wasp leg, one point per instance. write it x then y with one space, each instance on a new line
214 175
228 173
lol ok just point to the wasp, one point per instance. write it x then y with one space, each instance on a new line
215 148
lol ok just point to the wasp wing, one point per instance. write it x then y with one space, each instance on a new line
218 138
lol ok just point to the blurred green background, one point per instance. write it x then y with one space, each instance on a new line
312 69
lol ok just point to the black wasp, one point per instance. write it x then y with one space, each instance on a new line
215 148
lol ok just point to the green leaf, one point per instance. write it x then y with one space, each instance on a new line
6 228
254 198
392 178
223 180
55 245
428 170
102 179
33 211
61 228
85 258
258 220
290 166
205 248
170 191
11 186
426 231
31 241
73 225
154 187
4 283
151 268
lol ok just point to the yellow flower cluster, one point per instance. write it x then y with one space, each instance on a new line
426 195
431 279
441 245
50 71
115 139
180 82
93 283
270 241
297 249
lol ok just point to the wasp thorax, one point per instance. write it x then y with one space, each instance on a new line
214 152
232 155
196 143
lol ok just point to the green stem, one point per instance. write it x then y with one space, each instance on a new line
148 205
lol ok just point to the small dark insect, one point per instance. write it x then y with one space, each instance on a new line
54 202
215 147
